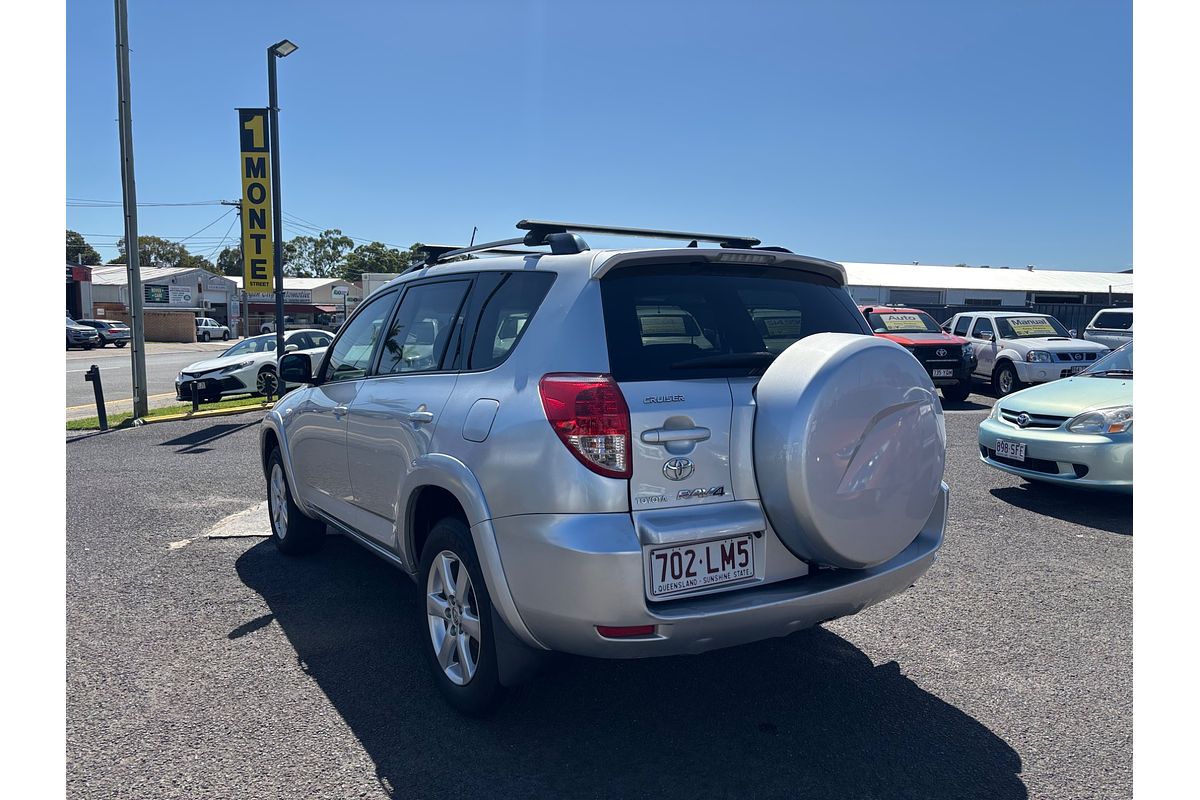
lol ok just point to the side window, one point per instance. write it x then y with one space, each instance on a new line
320 339
300 340
962 326
350 358
982 325
423 328
505 312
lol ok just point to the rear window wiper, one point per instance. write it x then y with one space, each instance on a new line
759 359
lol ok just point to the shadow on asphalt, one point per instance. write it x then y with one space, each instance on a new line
805 716
191 441
964 405
1102 510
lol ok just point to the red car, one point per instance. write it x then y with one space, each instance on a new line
947 358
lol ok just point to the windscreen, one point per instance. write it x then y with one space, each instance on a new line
902 322
704 321
1030 327
1117 363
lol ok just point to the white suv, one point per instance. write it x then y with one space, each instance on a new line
1112 327
207 329
1019 348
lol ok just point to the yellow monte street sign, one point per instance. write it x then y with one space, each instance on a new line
258 254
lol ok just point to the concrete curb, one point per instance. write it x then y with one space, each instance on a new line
216 412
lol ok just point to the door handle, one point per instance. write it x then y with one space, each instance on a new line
419 416
668 435
340 411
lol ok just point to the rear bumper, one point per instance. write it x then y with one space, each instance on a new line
569 573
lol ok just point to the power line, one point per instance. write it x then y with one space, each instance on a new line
83 202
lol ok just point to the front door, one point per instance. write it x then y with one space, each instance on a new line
393 418
317 427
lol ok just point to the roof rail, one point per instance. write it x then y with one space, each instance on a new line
541 230
440 252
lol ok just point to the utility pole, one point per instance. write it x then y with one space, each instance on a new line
137 341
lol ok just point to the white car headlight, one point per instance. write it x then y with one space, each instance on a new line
995 412
236 367
968 350
1039 356
1117 419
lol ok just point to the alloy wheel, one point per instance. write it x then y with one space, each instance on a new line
279 510
266 383
451 608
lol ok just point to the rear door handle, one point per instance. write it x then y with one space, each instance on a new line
419 416
668 435
340 411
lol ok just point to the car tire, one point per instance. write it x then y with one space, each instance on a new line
120 344
204 337
225 336
1005 380
957 393
293 532
463 663
266 376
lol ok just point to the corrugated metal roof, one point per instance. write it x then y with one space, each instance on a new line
117 276
927 276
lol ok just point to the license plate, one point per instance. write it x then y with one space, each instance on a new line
943 373
1075 370
702 565
1013 450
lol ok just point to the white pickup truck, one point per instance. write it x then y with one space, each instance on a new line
1019 348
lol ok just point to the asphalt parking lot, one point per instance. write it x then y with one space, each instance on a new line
218 668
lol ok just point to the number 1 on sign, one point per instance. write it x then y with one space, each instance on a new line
255 126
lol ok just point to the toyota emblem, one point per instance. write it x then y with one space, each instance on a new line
1022 420
678 469
942 352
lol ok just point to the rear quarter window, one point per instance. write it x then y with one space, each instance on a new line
658 317
507 302
1114 321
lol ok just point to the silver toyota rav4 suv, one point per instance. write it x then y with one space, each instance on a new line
613 453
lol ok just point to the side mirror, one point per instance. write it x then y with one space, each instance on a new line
987 336
296 368
1074 333
287 348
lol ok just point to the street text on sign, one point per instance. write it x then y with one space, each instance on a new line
258 255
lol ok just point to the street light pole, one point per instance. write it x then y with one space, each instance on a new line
280 49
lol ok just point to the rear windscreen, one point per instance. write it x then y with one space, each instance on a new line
706 321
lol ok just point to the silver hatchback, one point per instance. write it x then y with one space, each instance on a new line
613 453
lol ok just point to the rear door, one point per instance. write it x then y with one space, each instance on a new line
393 417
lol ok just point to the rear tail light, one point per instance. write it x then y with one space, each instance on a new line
589 414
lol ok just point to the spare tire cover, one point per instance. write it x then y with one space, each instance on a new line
849 448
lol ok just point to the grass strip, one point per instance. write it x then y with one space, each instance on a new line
124 419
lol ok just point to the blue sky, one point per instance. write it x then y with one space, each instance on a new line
939 132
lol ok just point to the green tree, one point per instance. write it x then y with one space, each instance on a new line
376 257
229 261
78 247
316 256
154 251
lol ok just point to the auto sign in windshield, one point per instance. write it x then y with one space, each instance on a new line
902 322
1030 327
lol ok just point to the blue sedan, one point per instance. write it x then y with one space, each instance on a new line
1076 432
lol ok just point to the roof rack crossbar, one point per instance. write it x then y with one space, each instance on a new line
440 252
539 230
